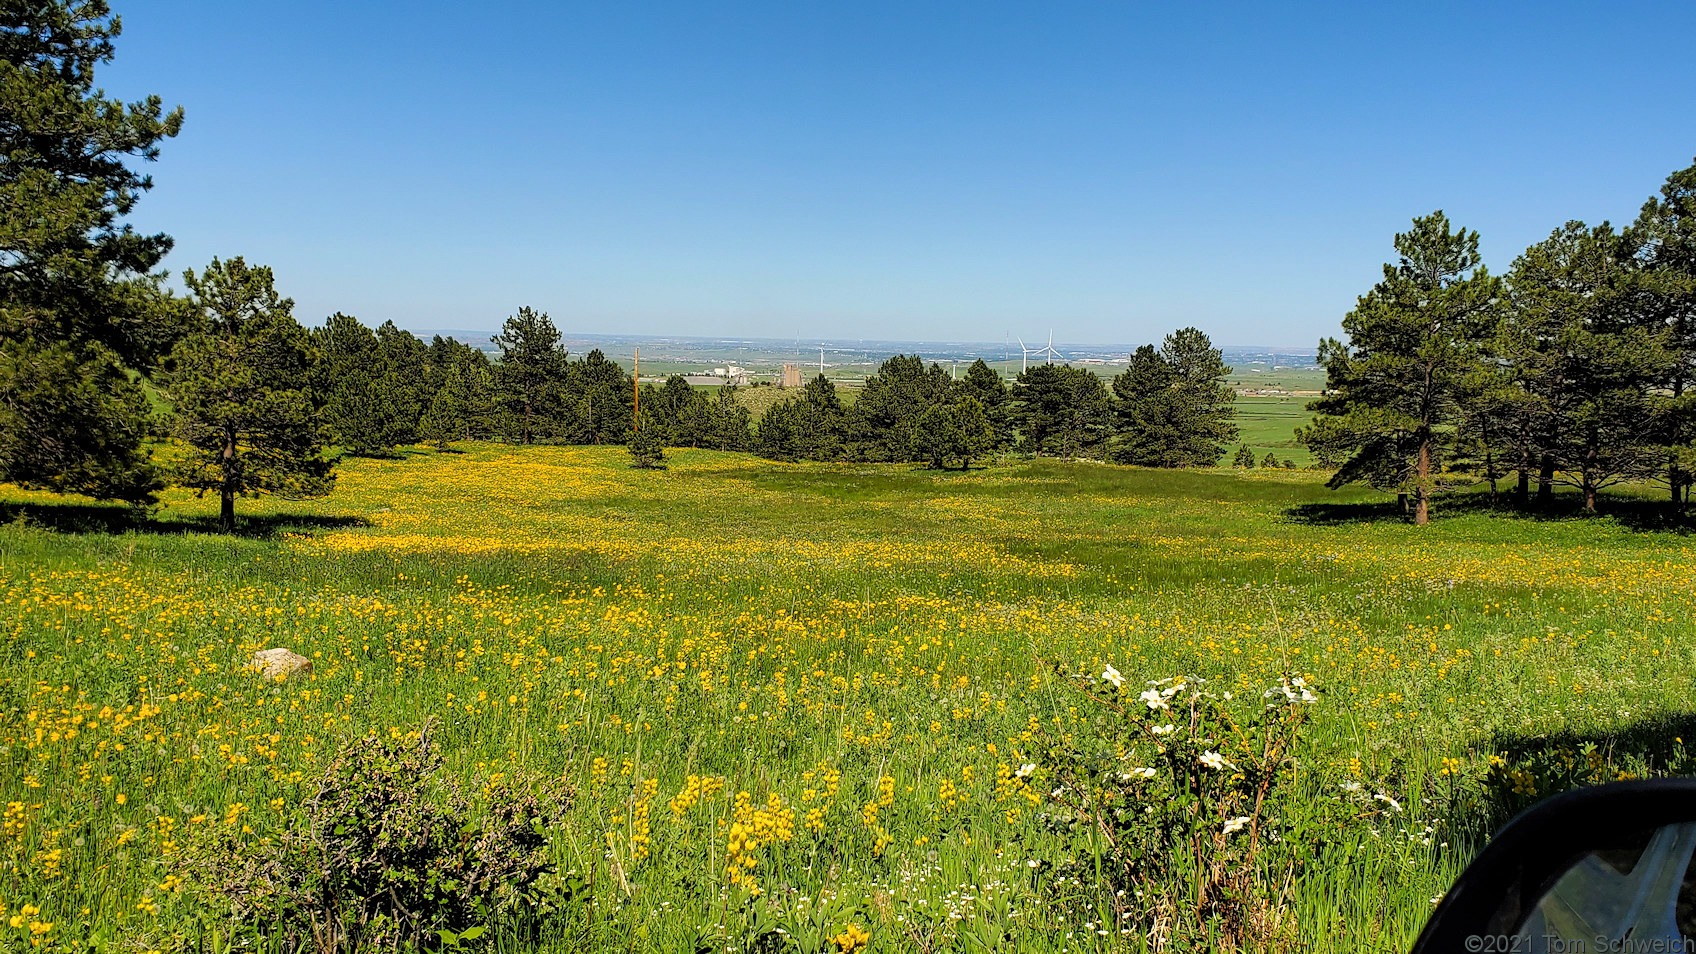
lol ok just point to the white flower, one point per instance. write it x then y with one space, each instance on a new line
1113 676
1153 698
1236 824
1395 806
1137 773
1215 761
1352 787
1026 769
1163 729
1172 690
1308 696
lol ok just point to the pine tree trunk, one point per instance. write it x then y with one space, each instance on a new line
1422 490
1589 494
1522 492
227 492
1546 481
1401 501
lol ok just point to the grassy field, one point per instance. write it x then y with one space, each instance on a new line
859 661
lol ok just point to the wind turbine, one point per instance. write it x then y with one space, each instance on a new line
1024 355
1048 353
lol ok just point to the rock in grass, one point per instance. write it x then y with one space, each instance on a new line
280 664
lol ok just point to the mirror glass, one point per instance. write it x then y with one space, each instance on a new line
1635 898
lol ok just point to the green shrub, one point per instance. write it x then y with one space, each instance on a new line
388 852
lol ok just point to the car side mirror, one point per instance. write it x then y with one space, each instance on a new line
1600 870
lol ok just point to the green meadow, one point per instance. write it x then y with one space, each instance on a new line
868 665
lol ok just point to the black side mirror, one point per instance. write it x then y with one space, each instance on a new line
1600 870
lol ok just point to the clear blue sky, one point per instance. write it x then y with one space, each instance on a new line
893 170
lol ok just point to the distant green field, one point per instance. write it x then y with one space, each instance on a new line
1268 424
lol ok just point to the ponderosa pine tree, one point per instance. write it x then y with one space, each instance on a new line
1584 369
730 427
403 381
984 384
79 307
1061 410
1393 392
1662 243
808 426
356 412
531 374
596 401
881 422
682 414
1244 458
957 431
238 393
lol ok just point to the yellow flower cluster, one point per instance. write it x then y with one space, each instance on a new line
751 827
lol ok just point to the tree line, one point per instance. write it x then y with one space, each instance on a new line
1169 408
1574 368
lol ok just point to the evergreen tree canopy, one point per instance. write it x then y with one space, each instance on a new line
1393 392
984 384
730 422
79 307
959 431
238 392
883 419
1062 410
531 374
1663 244
808 426
596 398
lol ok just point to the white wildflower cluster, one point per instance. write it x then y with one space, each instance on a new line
1291 690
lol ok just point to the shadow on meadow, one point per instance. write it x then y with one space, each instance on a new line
1632 513
75 518
1525 769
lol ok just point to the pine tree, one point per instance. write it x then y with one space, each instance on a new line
1270 460
1585 367
1061 410
1393 392
1244 458
1147 412
647 449
730 427
531 375
237 393
596 401
445 419
1662 244
984 384
403 382
357 413
959 431
79 308
882 421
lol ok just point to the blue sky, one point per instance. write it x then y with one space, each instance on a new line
890 170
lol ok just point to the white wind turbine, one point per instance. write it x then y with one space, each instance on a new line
1047 353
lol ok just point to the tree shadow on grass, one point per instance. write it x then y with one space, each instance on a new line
1633 513
1523 768
75 518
